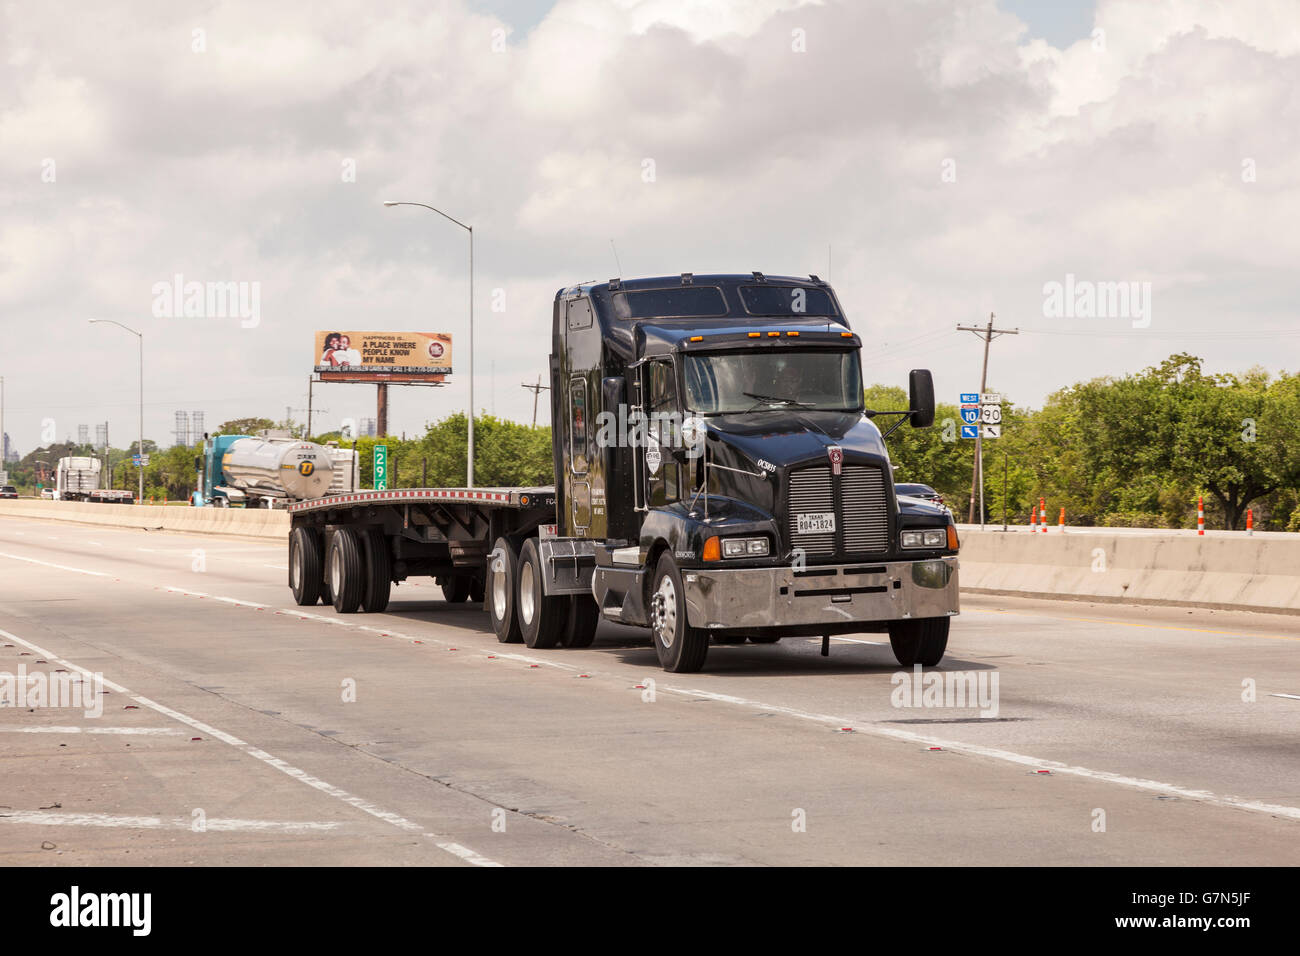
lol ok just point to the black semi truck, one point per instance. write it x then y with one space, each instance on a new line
717 479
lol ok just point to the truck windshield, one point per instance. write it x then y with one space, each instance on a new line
728 382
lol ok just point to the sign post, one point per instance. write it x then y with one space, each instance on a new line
381 468
981 417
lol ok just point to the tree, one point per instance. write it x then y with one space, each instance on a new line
244 426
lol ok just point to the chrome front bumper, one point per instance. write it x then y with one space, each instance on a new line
823 594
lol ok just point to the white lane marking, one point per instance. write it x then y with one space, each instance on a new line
215 597
47 564
256 753
278 567
1287 696
465 853
1104 776
144 731
47 819
320 617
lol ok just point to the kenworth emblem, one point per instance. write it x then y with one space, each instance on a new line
836 454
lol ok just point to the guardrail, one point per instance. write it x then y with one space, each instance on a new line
1224 570
248 522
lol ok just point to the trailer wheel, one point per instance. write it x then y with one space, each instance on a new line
580 628
542 617
347 570
379 572
306 566
681 648
500 602
920 641
455 588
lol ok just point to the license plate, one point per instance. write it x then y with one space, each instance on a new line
815 522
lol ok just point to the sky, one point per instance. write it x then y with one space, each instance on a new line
936 161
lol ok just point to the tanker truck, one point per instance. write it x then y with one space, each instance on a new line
261 472
717 479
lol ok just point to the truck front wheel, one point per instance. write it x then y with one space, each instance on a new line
920 641
681 648
502 570
542 617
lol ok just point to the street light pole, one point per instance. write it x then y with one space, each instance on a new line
140 337
469 466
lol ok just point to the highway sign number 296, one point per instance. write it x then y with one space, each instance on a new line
381 467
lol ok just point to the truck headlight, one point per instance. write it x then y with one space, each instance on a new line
744 547
930 538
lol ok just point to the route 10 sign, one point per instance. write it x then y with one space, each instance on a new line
970 414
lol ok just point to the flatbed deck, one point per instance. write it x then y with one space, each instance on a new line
506 497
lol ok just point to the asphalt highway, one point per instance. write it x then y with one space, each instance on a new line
237 728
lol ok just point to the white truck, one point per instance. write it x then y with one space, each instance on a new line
75 478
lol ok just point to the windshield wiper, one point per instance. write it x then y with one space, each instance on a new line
774 399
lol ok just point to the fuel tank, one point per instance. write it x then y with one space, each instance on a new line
281 468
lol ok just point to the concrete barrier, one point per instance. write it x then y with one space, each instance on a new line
257 523
1260 573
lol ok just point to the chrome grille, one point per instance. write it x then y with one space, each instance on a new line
864 504
810 491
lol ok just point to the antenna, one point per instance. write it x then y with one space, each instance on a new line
618 264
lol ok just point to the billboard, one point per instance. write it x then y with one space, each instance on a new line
383 356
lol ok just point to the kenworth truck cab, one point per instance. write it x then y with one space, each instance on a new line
717 479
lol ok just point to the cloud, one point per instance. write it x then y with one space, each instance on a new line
935 161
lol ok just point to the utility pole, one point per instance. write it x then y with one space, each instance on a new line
988 334
537 391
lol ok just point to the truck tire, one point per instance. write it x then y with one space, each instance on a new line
306 566
379 572
455 588
921 641
681 648
584 616
542 617
347 570
500 594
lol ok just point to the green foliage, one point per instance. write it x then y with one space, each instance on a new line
244 426
505 454
1128 452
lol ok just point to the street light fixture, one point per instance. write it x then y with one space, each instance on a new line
140 336
469 466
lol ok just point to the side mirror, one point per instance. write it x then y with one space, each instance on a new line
920 387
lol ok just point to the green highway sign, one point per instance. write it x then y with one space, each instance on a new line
381 467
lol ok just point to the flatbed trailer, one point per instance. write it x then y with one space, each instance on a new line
347 549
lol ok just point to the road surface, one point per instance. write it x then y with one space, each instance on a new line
237 728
